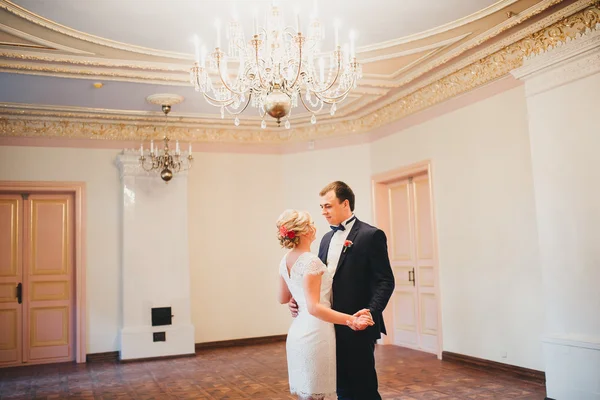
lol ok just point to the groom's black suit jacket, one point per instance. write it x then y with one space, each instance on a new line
364 277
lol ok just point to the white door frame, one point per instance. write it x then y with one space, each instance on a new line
381 218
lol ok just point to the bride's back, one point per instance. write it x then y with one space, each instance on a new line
306 263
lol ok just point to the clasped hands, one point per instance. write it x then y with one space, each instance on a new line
361 320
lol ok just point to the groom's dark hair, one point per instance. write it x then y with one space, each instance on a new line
342 192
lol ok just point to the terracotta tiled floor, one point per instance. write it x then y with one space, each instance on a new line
252 372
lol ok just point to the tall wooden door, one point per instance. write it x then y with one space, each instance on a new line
415 303
37 286
11 275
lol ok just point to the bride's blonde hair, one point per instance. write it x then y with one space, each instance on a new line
291 224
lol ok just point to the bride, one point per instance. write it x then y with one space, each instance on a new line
311 350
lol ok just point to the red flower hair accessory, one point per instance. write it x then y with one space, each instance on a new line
284 232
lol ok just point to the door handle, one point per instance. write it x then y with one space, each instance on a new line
411 278
20 293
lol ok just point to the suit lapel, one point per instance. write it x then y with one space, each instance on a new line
324 247
351 237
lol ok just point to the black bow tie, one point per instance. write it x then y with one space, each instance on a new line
341 227
336 228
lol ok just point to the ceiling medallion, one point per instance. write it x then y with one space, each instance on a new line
276 69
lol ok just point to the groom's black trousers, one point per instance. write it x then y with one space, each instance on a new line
356 375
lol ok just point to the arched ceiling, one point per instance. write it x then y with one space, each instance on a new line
169 25
415 53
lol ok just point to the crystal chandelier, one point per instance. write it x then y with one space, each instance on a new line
277 68
164 161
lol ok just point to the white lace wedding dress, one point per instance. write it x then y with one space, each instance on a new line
310 342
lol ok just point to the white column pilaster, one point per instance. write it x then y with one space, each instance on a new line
155 263
563 103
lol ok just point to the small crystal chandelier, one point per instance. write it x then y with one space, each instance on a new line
166 163
277 67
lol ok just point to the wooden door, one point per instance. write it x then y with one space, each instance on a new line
45 319
415 305
402 259
425 278
11 273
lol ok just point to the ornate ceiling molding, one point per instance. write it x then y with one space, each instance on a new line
468 78
65 30
430 48
541 30
561 64
48 24
498 6
486 51
84 114
493 66
17 121
42 43
178 68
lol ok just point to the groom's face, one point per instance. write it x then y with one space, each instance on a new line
334 211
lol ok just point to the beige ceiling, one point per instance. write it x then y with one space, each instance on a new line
47 67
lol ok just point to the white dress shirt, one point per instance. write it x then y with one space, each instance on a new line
337 244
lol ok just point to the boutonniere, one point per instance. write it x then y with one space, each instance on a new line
347 245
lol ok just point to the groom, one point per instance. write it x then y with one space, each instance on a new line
357 254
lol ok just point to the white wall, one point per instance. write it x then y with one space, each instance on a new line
490 278
307 173
103 227
565 142
489 264
234 201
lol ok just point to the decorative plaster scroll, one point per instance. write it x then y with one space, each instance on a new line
569 61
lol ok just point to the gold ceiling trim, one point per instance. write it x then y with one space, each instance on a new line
489 68
177 74
82 114
474 75
478 40
540 26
